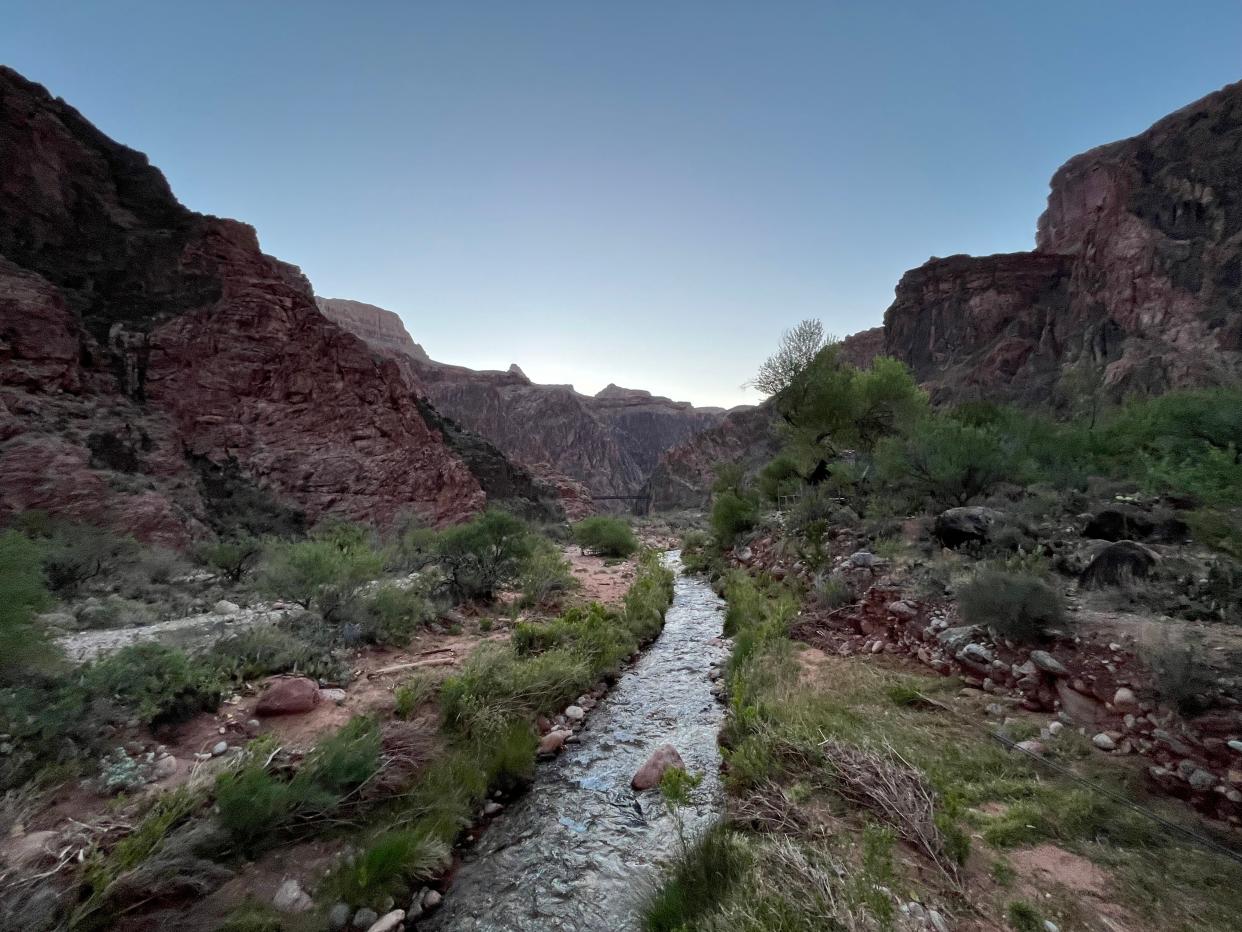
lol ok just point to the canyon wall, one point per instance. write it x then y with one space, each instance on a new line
1134 285
159 374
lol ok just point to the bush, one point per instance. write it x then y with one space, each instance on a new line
545 573
485 553
231 558
605 536
411 694
779 477
1181 675
1014 605
733 514
158 684
944 461
325 571
24 646
700 879
266 650
75 553
390 615
389 866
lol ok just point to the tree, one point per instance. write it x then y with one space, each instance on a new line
484 553
798 349
327 572
944 461
231 558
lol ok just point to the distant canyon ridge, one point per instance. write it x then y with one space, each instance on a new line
161 375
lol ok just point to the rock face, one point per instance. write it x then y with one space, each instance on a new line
156 366
683 477
381 329
609 443
1135 283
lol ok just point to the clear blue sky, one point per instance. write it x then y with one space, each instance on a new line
636 192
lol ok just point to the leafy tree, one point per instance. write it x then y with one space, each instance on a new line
232 558
778 476
484 553
325 572
798 349
944 461
24 645
606 536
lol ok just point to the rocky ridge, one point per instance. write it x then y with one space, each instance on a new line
147 351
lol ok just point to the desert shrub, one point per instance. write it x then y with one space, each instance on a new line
415 691
733 514
112 611
76 553
253 803
832 591
1014 605
24 646
1181 675
943 461
545 574
324 572
390 615
230 558
1220 530
485 553
265 650
605 536
648 598
778 478
392 862
158 684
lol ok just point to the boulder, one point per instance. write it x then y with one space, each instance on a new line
1117 564
650 773
288 695
1079 707
972 524
954 639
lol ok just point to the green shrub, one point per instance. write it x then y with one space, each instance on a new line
485 553
605 536
1013 605
392 863
944 461
75 553
778 478
1024 917
156 683
324 572
24 646
699 881
269 649
231 558
415 691
391 615
1181 675
733 514
545 574
496 684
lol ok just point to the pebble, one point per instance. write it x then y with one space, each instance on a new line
338 917
225 607
492 808
165 767
291 898
1236 745
937 921
432 899
1124 699
333 695
1200 779
1050 926
388 922
575 713
1104 742
1031 746
1055 728
1049 664
221 747
365 918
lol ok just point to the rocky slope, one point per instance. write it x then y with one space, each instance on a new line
609 442
159 373
1135 283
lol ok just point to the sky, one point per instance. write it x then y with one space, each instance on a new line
644 193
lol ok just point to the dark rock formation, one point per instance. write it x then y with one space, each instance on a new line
610 442
144 347
683 477
1135 284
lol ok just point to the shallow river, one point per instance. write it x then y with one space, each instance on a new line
581 849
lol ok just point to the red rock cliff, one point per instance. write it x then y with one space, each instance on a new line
1135 281
145 348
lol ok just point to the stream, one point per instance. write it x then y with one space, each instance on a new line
581 849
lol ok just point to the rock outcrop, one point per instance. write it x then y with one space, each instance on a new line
1135 284
608 443
147 352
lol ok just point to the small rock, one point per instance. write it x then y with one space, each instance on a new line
937 921
31 848
995 709
1124 699
1236 745
1104 742
289 695
976 653
253 727
575 713
225 607
902 610
492 808
220 747
863 558
332 695
552 742
388 922
1055 728
432 899
338 917
365 918
1050 926
291 898
877 647
165 767
1049 664
1031 746
650 773
1200 779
